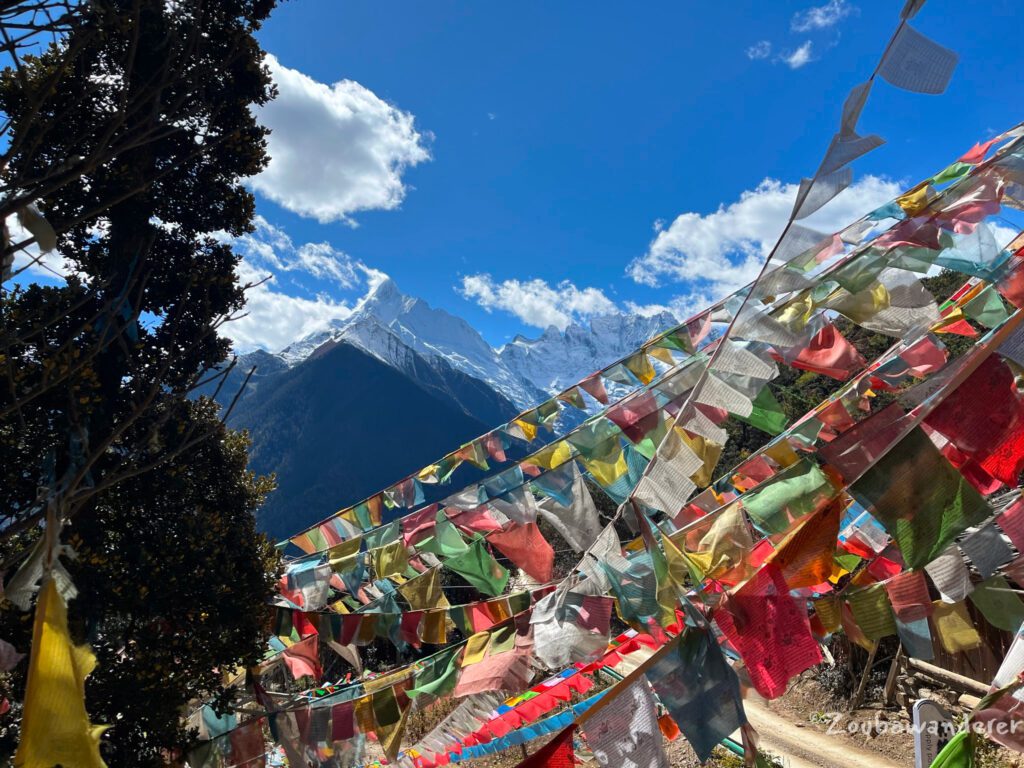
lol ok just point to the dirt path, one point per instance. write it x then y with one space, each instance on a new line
806 747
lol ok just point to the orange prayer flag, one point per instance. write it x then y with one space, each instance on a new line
805 556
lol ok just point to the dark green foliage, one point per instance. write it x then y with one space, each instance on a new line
135 133
310 425
174 581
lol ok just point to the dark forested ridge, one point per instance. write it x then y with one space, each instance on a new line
342 425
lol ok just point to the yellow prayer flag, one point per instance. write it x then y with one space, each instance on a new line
434 627
663 354
782 453
475 648
390 737
954 628
640 366
725 544
424 592
55 728
529 430
827 609
796 313
914 201
554 455
607 472
387 680
862 305
390 560
365 719
707 450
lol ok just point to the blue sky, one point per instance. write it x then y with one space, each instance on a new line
513 162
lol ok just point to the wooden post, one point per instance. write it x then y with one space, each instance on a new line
890 682
859 695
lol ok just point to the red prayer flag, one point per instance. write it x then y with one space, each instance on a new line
343 721
419 525
924 357
829 353
247 747
409 629
636 416
303 658
1011 520
476 520
978 152
984 419
594 387
526 546
557 753
908 593
770 631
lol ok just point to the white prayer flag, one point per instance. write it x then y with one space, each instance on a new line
917 63
816 192
577 523
624 733
950 575
797 240
846 149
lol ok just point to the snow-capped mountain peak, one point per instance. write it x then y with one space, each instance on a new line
527 371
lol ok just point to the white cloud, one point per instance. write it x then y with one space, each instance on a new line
335 149
759 50
648 310
718 252
798 58
822 16
535 302
270 247
273 319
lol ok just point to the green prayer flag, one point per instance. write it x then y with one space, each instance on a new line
848 561
362 513
502 639
986 308
920 499
458 616
807 432
796 491
479 568
518 602
951 172
439 675
859 273
649 445
1000 607
679 340
767 414
547 413
446 541
873 612
318 539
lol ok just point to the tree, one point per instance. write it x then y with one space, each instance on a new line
147 104
128 133
173 583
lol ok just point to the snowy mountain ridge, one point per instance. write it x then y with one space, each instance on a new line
388 324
